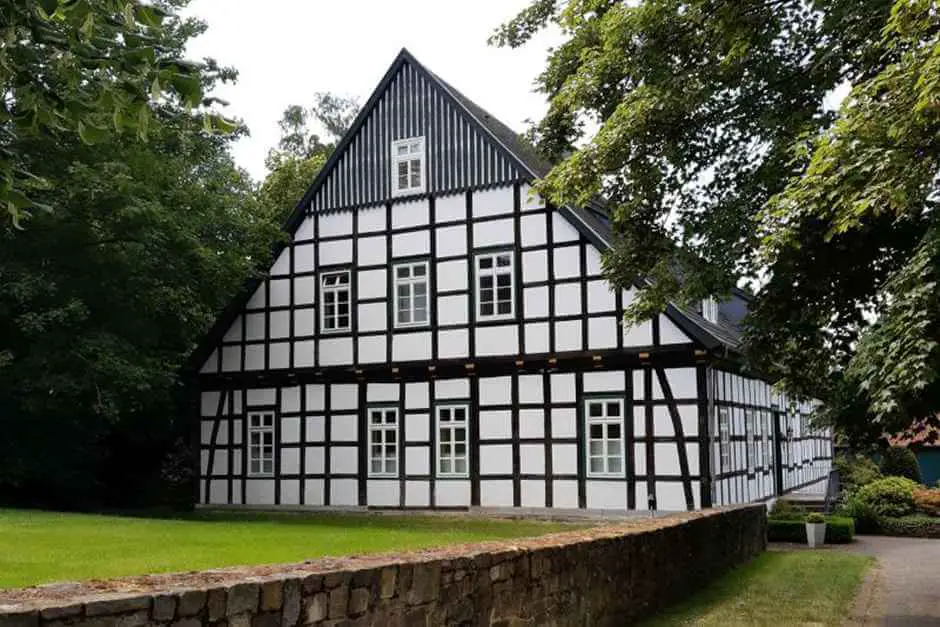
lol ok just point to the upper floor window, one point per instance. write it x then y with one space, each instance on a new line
261 443
335 301
710 309
605 437
724 438
408 166
494 286
411 294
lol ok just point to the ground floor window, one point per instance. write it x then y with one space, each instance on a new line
604 437
261 443
452 429
724 438
383 442
752 438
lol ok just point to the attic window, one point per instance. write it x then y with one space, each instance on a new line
408 166
710 309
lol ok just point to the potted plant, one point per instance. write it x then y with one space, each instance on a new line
815 530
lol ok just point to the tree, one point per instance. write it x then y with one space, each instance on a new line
92 67
723 163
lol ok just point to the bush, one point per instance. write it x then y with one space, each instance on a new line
916 526
891 496
927 501
838 530
786 510
815 518
856 470
899 461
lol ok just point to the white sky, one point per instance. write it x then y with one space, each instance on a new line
293 48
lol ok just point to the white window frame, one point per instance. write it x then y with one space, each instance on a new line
710 310
411 282
336 289
724 438
451 427
494 274
379 436
605 421
260 429
416 152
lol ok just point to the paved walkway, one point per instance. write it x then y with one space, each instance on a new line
904 588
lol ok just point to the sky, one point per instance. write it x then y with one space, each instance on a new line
292 49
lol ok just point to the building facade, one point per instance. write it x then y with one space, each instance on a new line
435 335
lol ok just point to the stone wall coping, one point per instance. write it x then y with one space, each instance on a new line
128 594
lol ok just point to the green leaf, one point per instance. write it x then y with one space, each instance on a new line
91 134
143 122
88 26
155 88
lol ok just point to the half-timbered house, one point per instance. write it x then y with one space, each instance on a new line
435 335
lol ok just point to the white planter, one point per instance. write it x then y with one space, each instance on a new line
815 534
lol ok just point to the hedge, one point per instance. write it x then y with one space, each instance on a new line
839 530
914 526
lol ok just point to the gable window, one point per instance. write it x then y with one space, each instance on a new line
710 309
335 300
494 286
605 437
383 442
724 438
261 443
452 459
411 294
408 166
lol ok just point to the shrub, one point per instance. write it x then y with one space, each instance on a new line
891 496
856 470
815 518
927 501
786 510
916 526
838 530
899 461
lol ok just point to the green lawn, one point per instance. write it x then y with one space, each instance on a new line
38 547
777 588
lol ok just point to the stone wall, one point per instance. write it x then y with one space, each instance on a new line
609 575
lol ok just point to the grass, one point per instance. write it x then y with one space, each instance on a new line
39 547
777 588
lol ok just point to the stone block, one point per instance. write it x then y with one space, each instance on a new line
242 597
191 602
336 579
60 612
187 622
312 584
239 620
387 582
266 619
358 601
271 596
27 618
417 617
164 608
118 605
425 583
316 608
215 604
339 599
290 602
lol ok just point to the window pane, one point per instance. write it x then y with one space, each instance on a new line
390 436
391 466
415 173
376 417
613 431
444 414
486 263
445 466
613 448
376 465
503 260
460 434
403 175
595 410
403 272
460 449
503 280
420 270
445 449
614 464
460 413
460 466
415 147
486 309
402 149
597 464
596 447
613 409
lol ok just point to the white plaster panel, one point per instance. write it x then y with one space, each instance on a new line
530 199
254 326
205 431
451 493
532 493
567 262
495 390
417 493
493 233
638 334
411 346
344 492
234 333
305 258
562 230
669 333
371 284
218 492
279 355
372 219
452 275
382 392
281 265
290 460
495 459
411 213
280 324
220 462
639 459
562 385
536 338
534 266
451 240
641 496
454 343
639 422
531 423
683 383
603 381
418 460
532 459
638 391
290 429
563 422
451 388
335 252
335 224
593 259
315 395
452 309
606 495
372 317
530 388
600 297
212 364
382 493
688 415
344 396
490 202
602 332
210 403
495 424
497 340
565 459
259 491
565 494
305 230
372 349
535 302
305 290
662 422
410 244
372 251
314 460
670 496
261 396
279 292
254 357
666 455
237 430
304 322
258 300
568 335
313 492
416 395
496 493
336 351
343 428
290 492
691 451
568 299
450 208
417 427
533 230
343 459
